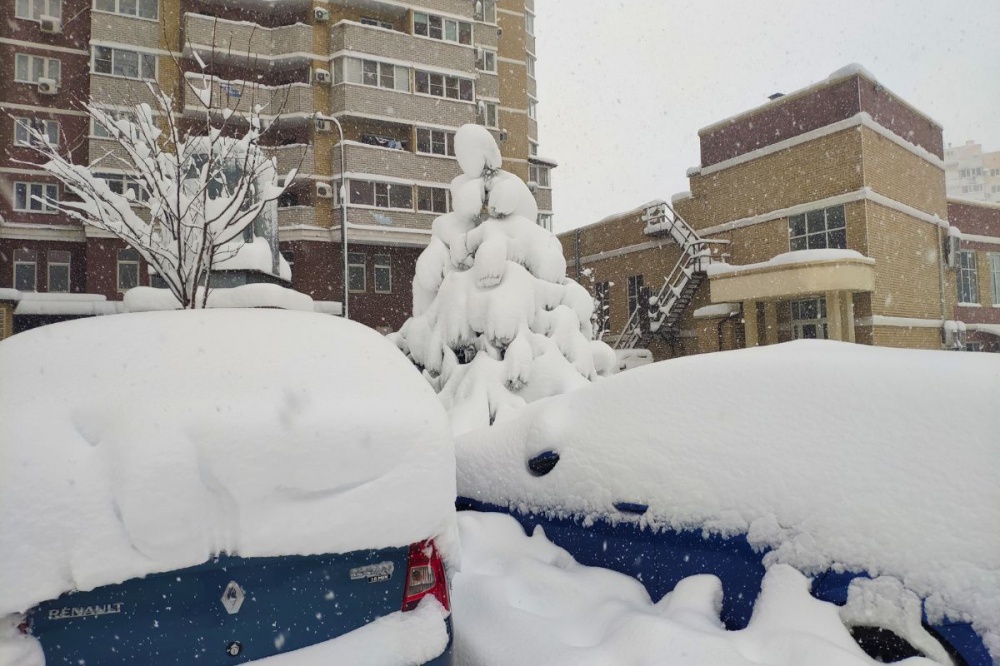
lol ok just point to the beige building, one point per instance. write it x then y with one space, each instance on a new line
809 217
971 173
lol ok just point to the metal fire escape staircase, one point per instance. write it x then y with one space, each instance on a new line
663 314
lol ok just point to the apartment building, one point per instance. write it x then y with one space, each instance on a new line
371 91
971 173
821 214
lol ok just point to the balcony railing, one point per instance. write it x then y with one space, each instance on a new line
403 106
361 40
247 41
243 96
365 159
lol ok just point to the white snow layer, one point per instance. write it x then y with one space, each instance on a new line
147 442
832 455
792 258
522 600
258 295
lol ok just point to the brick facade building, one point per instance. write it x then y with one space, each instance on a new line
400 78
820 214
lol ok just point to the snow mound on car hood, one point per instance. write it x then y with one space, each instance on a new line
829 454
147 442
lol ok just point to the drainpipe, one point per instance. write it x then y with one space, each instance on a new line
576 251
944 314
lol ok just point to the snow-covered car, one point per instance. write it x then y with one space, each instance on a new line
221 486
873 471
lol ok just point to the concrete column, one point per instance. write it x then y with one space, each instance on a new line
770 323
834 316
750 323
847 314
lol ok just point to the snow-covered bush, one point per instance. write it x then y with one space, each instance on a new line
496 323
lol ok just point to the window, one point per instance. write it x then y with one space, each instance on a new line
100 132
530 63
120 184
995 172
635 284
445 29
529 23
381 195
34 10
24 128
540 174
486 60
486 11
35 197
126 64
489 114
995 277
809 319
435 142
532 149
533 108
373 73
818 229
142 8
374 22
29 68
968 281
59 261
383 274
545 221
432 199
128 269
442 85
971 188
602 305
25 270
970 173
356 271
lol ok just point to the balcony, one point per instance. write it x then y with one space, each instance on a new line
245 43
407 107
296 156
242 96
297 216
382 43
364 159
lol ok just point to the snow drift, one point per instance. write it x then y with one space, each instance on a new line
831 455
148 442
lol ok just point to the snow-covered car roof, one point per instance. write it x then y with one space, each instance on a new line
831 455
148 442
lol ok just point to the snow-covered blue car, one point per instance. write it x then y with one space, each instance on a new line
873 471
218 487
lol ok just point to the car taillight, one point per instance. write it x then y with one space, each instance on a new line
425 576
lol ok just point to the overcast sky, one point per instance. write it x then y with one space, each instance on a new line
625 85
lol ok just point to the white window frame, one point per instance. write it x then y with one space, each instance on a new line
484 58
488 111
529 23
533 108
372 22
22 131
439 191
98 131
117 53
541 175
51 68
48 190
383 264
966 278
352 70
812 217
381 191
127 261
54 263
447 83
352 266
994 259
33 263
545 221
799 321
120 183
436 137
529 63
129 8
444 25
34 10
488 13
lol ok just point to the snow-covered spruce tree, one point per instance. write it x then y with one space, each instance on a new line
197 190
496 323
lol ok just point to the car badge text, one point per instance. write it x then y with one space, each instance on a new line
85 611
374 573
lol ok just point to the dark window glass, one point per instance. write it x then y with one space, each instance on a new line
422 82
362 192
401 196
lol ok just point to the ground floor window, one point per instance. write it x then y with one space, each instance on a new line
995 277
635 283
25 270
809 319
356 271
59 262
383 274
128 269
968 281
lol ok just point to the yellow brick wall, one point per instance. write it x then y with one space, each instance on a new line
6 320
900 175
822 168
910 338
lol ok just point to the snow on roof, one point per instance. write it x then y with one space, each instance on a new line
680 195
791 258
257 295
164 438
830 454
10 295
717 310
618 216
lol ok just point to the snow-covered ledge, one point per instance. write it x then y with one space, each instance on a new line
798 273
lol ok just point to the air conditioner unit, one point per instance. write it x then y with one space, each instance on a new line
324 190
321 14
50 24
48 86
321 76
951 247
323 125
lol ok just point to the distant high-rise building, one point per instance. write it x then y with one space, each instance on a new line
972 174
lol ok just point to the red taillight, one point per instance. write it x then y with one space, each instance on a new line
425 576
